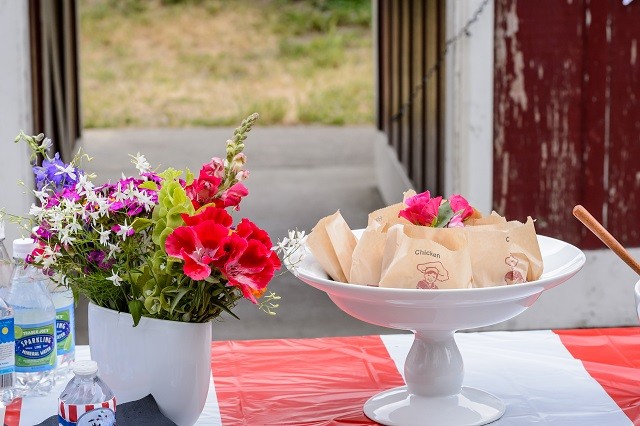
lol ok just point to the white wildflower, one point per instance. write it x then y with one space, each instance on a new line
104 236
84 185
113 249
68 170
145 200
46 144
292 249
36 211
49 257
65 238
73 227
141 163
115 279
124 229
41 195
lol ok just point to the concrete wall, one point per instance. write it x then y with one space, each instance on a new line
15 111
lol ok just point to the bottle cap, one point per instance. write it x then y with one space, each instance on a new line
22 247
85 368
2 230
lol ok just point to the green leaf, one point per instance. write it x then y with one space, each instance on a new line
170 174
177 298
149 185
445 213
135 309
152 305
141 223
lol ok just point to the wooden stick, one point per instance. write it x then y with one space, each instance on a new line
594 226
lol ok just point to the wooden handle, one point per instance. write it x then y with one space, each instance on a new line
594 226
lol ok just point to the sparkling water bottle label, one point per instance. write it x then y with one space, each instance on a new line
99 414
7 353
65 328
35 347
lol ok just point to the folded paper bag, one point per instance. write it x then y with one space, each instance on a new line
422 263
493 219
387 215
332 243
367 256
504 253
390 215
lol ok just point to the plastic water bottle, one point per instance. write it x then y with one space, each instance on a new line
86 400
65 328
65 324
34 325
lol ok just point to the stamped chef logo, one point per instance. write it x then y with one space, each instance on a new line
432 272
513 276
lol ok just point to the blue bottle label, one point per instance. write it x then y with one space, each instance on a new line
102 414
35 347
65 329
7 347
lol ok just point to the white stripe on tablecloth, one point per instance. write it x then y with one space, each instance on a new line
211 414
532 372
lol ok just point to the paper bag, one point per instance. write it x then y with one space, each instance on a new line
389 216
367 256
441 262
504 253
493 219
332 243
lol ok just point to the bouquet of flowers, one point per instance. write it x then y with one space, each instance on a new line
436 212
160 245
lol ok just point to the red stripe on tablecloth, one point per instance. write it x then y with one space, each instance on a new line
12 415
612 357
293 382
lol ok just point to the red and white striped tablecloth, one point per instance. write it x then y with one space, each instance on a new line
559 377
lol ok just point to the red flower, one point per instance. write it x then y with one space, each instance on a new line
421 209
248 261
204 189
210 213
199 243
460 204
232 196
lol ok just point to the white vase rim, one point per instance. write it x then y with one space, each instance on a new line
145 319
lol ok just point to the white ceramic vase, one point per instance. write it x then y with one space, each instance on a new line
168 359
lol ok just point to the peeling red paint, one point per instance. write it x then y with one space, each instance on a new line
567 125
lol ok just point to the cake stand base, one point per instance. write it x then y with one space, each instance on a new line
397 407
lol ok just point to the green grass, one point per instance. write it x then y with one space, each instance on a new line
154 63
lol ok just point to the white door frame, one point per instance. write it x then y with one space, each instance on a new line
15 112
469 105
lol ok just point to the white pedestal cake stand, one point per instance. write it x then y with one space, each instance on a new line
434 370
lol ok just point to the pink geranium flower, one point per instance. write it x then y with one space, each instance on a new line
421 209
460 206
198 246
199 243
248 265
232 196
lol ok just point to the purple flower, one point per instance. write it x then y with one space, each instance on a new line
98 257
152 177
55 173
43 231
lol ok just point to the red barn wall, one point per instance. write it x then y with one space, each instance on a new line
567 115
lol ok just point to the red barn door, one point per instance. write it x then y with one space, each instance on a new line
567 115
